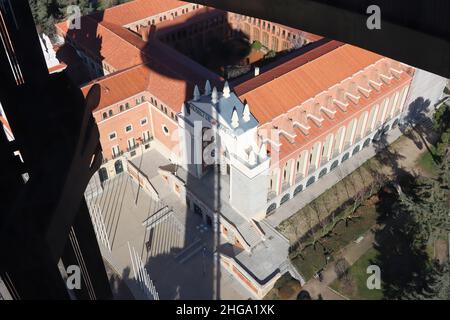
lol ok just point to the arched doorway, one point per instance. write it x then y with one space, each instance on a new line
103 174
118 166
355 151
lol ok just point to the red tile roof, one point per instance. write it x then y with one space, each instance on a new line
302 141
102 44
136 10
286 90
121 85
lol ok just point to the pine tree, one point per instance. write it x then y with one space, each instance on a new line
428 206
438 285
48 12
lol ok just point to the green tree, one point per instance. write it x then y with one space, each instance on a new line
428 206
438 284
441 124
48 12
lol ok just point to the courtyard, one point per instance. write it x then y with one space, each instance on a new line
172 245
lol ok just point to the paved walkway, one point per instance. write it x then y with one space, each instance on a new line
351 253
410 152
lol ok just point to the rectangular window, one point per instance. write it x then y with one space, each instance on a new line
131 143
127 105
128 128
112 135
115 151
146 136
144 122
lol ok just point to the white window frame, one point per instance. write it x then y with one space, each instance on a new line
112 150
144 133
133 144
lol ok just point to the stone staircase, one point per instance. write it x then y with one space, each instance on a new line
160 216
249 233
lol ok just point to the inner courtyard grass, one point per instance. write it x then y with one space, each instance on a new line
355 287
426 162
314 257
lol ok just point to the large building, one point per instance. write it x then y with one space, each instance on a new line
278 128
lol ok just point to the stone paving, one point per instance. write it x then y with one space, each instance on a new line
124 207
352 252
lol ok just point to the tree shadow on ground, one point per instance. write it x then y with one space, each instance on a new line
403 266
417 121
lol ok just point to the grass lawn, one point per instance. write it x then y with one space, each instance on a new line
357 288
330 200
313 258
426 162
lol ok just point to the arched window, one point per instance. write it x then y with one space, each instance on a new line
395 124
110 113
298 189
323 172
334 165
345 157
105 115
310 181
118 166
285 198
271 208
103 174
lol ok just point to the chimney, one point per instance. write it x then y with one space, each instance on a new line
148 32
144 31
256 71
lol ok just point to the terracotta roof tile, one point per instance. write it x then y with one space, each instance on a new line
136 10
302 141
290 89
121 85
102 44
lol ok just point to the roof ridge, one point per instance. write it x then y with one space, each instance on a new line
112 75
300 66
